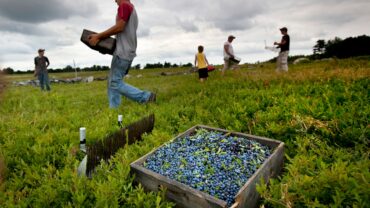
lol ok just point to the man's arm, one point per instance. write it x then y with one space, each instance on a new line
115 29
35 72
283 42
47 62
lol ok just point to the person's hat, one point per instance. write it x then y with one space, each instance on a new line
41 50
283 29
231 36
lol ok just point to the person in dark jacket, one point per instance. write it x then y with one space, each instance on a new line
41 71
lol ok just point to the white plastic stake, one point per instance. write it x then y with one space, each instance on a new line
120 117
83 139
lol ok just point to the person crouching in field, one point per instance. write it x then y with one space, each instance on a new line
201 63
41 71
282 59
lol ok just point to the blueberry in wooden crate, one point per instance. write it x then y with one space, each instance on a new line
210 167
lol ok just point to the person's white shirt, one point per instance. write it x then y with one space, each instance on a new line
231 50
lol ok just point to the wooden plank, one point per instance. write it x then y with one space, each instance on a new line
248 195
263 140
105 149
183 195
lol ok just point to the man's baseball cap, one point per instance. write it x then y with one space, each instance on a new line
41 50
231 36
283 29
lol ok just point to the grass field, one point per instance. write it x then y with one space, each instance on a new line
321 110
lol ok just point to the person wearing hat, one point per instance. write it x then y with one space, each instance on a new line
229 55
41 71
282 59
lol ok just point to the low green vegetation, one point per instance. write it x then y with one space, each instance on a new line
319 109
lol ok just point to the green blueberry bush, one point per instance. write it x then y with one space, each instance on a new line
319 109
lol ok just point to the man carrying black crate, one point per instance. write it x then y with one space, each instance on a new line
125 52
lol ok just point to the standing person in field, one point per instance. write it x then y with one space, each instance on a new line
229 55
282 59
41 71
125 52
201 63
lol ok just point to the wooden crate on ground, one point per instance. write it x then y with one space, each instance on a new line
186 196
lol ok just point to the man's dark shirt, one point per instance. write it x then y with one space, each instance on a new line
40 63
286 46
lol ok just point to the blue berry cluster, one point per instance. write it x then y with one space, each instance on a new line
210 161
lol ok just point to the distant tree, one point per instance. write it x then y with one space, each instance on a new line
349 47
95 68
105 68
166 65
137 66
319 48
153 66
8 70
68 68
188 65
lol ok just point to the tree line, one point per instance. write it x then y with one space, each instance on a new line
339 48
68 68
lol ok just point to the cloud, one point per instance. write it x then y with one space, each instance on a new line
225 15
11 26
37 11
143 32
187 25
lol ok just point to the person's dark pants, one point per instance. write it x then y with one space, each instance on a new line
44 80
203 73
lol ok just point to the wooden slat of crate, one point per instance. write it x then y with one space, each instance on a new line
248 195
185 196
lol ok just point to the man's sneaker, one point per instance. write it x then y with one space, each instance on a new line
152 98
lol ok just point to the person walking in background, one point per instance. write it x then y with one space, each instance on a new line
229 57
201 63
125 30
41 71
282 59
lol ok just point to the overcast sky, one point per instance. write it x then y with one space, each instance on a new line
171 30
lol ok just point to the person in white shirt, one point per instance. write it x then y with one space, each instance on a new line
229 56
